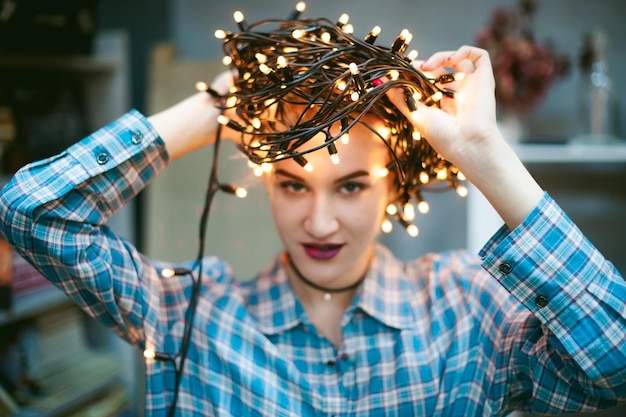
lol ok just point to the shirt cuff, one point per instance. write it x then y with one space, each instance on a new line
546 262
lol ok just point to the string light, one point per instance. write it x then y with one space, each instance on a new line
321 75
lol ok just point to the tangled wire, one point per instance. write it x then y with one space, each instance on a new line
319 71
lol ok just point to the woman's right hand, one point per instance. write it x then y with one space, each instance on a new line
192 123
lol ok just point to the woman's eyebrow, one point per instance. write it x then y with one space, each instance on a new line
355 174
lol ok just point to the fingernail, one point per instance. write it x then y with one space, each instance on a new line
377 82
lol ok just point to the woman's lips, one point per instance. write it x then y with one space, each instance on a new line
321 252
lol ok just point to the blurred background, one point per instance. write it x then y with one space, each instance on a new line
69 67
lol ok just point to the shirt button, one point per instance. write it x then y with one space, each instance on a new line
505 268
136 138
330 364
541 301
102 158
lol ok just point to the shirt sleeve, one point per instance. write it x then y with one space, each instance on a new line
55 213
579 298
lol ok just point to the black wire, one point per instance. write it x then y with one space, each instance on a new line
212 188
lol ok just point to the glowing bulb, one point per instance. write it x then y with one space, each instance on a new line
223 120
227 60
354 69
265 69
341 85
345 138
459 76
413 55
417 96
412 230
423 207
266 167
201 86
298 33
348 28
238 16
391 209
380 172
416 135
354 96
257 171
383 132
461 176
442 174
376 31
462 190
408 37
220 34
435 97
290 49
325 37
424 177
394 74
343 19
409 211
149 353
334 158
167 272
231 101
308 167
386 226
281 61
261 58
301 6
241 192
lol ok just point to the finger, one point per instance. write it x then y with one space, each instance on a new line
465 59
477 56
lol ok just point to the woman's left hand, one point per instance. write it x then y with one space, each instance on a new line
464 131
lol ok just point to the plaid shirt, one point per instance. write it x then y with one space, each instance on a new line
537 323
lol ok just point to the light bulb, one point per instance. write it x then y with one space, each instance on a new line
241 192
412 230
201 86
334 158
220 34
409 211
167 272
462 191
424 177
227 60
149 353
423 207
391 209
386 226
238 16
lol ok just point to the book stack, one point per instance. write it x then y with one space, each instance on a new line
62 374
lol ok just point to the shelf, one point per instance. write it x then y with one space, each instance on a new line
572 153
81 64
33 304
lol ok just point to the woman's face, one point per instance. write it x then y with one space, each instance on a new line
328 218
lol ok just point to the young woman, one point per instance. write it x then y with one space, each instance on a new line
335 325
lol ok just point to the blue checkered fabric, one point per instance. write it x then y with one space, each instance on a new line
537 323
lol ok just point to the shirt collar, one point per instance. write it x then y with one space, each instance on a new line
385 295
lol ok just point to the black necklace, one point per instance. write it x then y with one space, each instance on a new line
327 291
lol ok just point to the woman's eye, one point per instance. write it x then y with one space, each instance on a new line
351 187
293 187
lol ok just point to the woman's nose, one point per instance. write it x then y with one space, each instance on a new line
321 220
